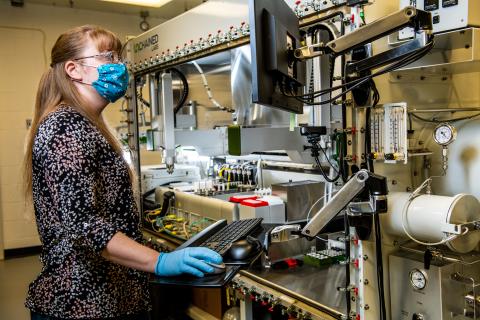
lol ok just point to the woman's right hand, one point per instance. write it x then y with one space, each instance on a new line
188 260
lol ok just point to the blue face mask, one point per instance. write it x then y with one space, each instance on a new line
112 81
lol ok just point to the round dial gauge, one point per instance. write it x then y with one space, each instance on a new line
444 134
418 279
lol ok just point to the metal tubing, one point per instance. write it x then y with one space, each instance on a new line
168 121
153 89
445 110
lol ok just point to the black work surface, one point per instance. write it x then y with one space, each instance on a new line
208 281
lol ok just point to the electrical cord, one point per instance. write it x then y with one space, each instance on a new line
184 226
410 123
368 133
315 147
319 238
328 160
415 55
324 174
314 140
208 89
185 90
316 202
411 57
388 69
378 234
415 194
340 139
443 241
379 256
142 100
358 83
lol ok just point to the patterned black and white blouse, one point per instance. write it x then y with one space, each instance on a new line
82 197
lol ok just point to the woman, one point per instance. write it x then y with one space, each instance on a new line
93 265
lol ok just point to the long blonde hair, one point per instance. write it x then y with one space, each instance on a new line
56 88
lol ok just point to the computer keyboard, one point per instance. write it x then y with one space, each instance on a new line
236 230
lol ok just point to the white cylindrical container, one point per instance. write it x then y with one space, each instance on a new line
426 214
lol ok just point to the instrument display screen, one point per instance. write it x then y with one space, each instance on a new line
449 3
430 5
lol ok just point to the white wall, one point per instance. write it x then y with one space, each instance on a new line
28 35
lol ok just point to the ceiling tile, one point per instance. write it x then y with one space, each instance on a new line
168 11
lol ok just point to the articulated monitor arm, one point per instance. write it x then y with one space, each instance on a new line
407 17
363 186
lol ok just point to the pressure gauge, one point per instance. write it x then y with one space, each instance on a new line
444 134
418 279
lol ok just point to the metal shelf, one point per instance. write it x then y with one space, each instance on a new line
454 52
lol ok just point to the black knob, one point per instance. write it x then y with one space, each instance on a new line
417 316
427 259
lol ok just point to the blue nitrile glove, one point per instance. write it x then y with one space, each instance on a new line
188 260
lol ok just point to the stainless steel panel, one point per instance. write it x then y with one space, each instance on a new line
186 121
454 52
278 251
443 298
206 142
314 286
248 113
405 301
300 196
229 77
216 69
269 139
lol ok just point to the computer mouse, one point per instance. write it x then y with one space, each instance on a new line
240 250
217 268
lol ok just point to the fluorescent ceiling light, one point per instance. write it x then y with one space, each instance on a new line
144 3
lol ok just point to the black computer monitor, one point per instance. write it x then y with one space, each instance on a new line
274 34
